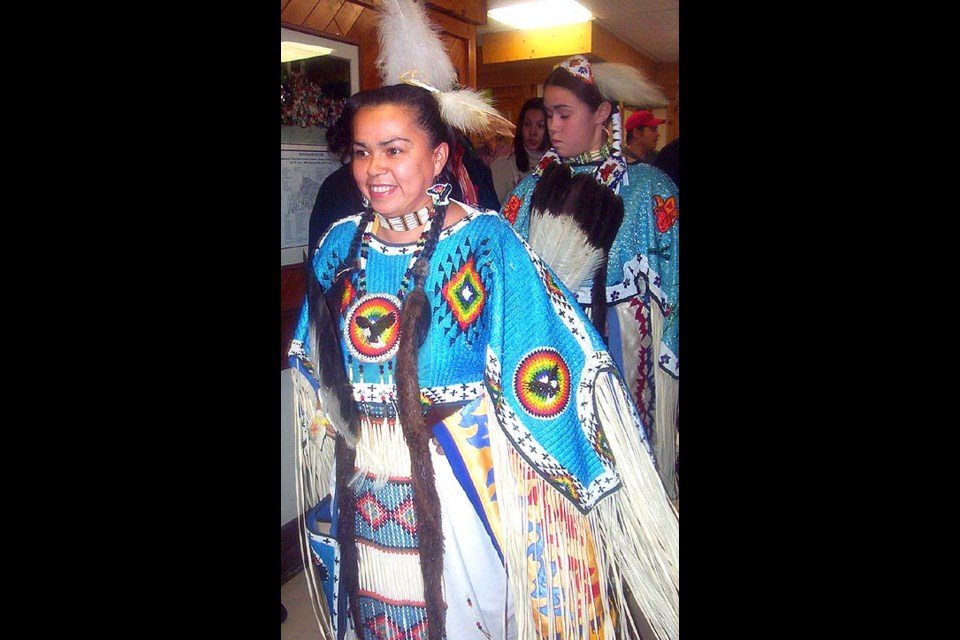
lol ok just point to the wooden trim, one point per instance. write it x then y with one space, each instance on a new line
471 11
322 34
291 562
530 44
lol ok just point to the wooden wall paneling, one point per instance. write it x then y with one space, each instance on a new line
293 287
509 46
345 18
513 74
509 100
472 11
283 4
609 48
668 78
297 11
364 30
461 42
321 17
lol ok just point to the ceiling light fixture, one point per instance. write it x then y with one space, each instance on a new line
290 51
543 13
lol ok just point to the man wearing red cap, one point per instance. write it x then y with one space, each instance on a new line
642 137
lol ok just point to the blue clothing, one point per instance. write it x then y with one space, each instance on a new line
645 256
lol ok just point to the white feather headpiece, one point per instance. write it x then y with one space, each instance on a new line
411 52
410 44
626 84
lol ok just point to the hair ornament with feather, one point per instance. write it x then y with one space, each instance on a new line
411 52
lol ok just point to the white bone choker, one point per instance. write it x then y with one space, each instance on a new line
406 222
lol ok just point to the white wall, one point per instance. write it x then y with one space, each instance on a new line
288 489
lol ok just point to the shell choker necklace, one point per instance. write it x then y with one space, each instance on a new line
406 222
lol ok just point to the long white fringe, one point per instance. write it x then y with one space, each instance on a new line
640 527
556 517
314 471
667 391
381 451
633 532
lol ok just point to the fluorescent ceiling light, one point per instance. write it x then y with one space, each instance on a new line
543 13
290 51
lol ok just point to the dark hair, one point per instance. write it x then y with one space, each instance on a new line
519 152
587 92
423 104
338 134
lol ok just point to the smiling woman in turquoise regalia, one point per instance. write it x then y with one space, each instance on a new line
461 419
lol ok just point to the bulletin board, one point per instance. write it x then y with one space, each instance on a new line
314 86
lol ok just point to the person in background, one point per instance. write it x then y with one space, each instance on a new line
491 146
642 136
668 160
473 174
338 195
609 230
459 409
529 143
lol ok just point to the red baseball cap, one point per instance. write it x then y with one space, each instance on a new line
642 119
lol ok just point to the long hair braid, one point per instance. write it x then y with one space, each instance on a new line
414 325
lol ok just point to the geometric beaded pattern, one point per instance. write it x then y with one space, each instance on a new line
461 290
542 383
543 462
385 620
385 516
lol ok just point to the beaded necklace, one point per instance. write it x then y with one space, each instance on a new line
609 172
372 322
365 250
588 157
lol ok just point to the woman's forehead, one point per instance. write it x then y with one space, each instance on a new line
386 120
554 97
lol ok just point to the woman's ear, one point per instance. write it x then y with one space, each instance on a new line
603 112
440 157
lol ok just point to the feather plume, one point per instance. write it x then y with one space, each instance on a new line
470 111
410 43
573 223
565 247
626 84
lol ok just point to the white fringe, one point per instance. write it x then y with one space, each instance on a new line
313 481
639 526
509 471
667 392
396 576
315 453
557 517
634 534
381 452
